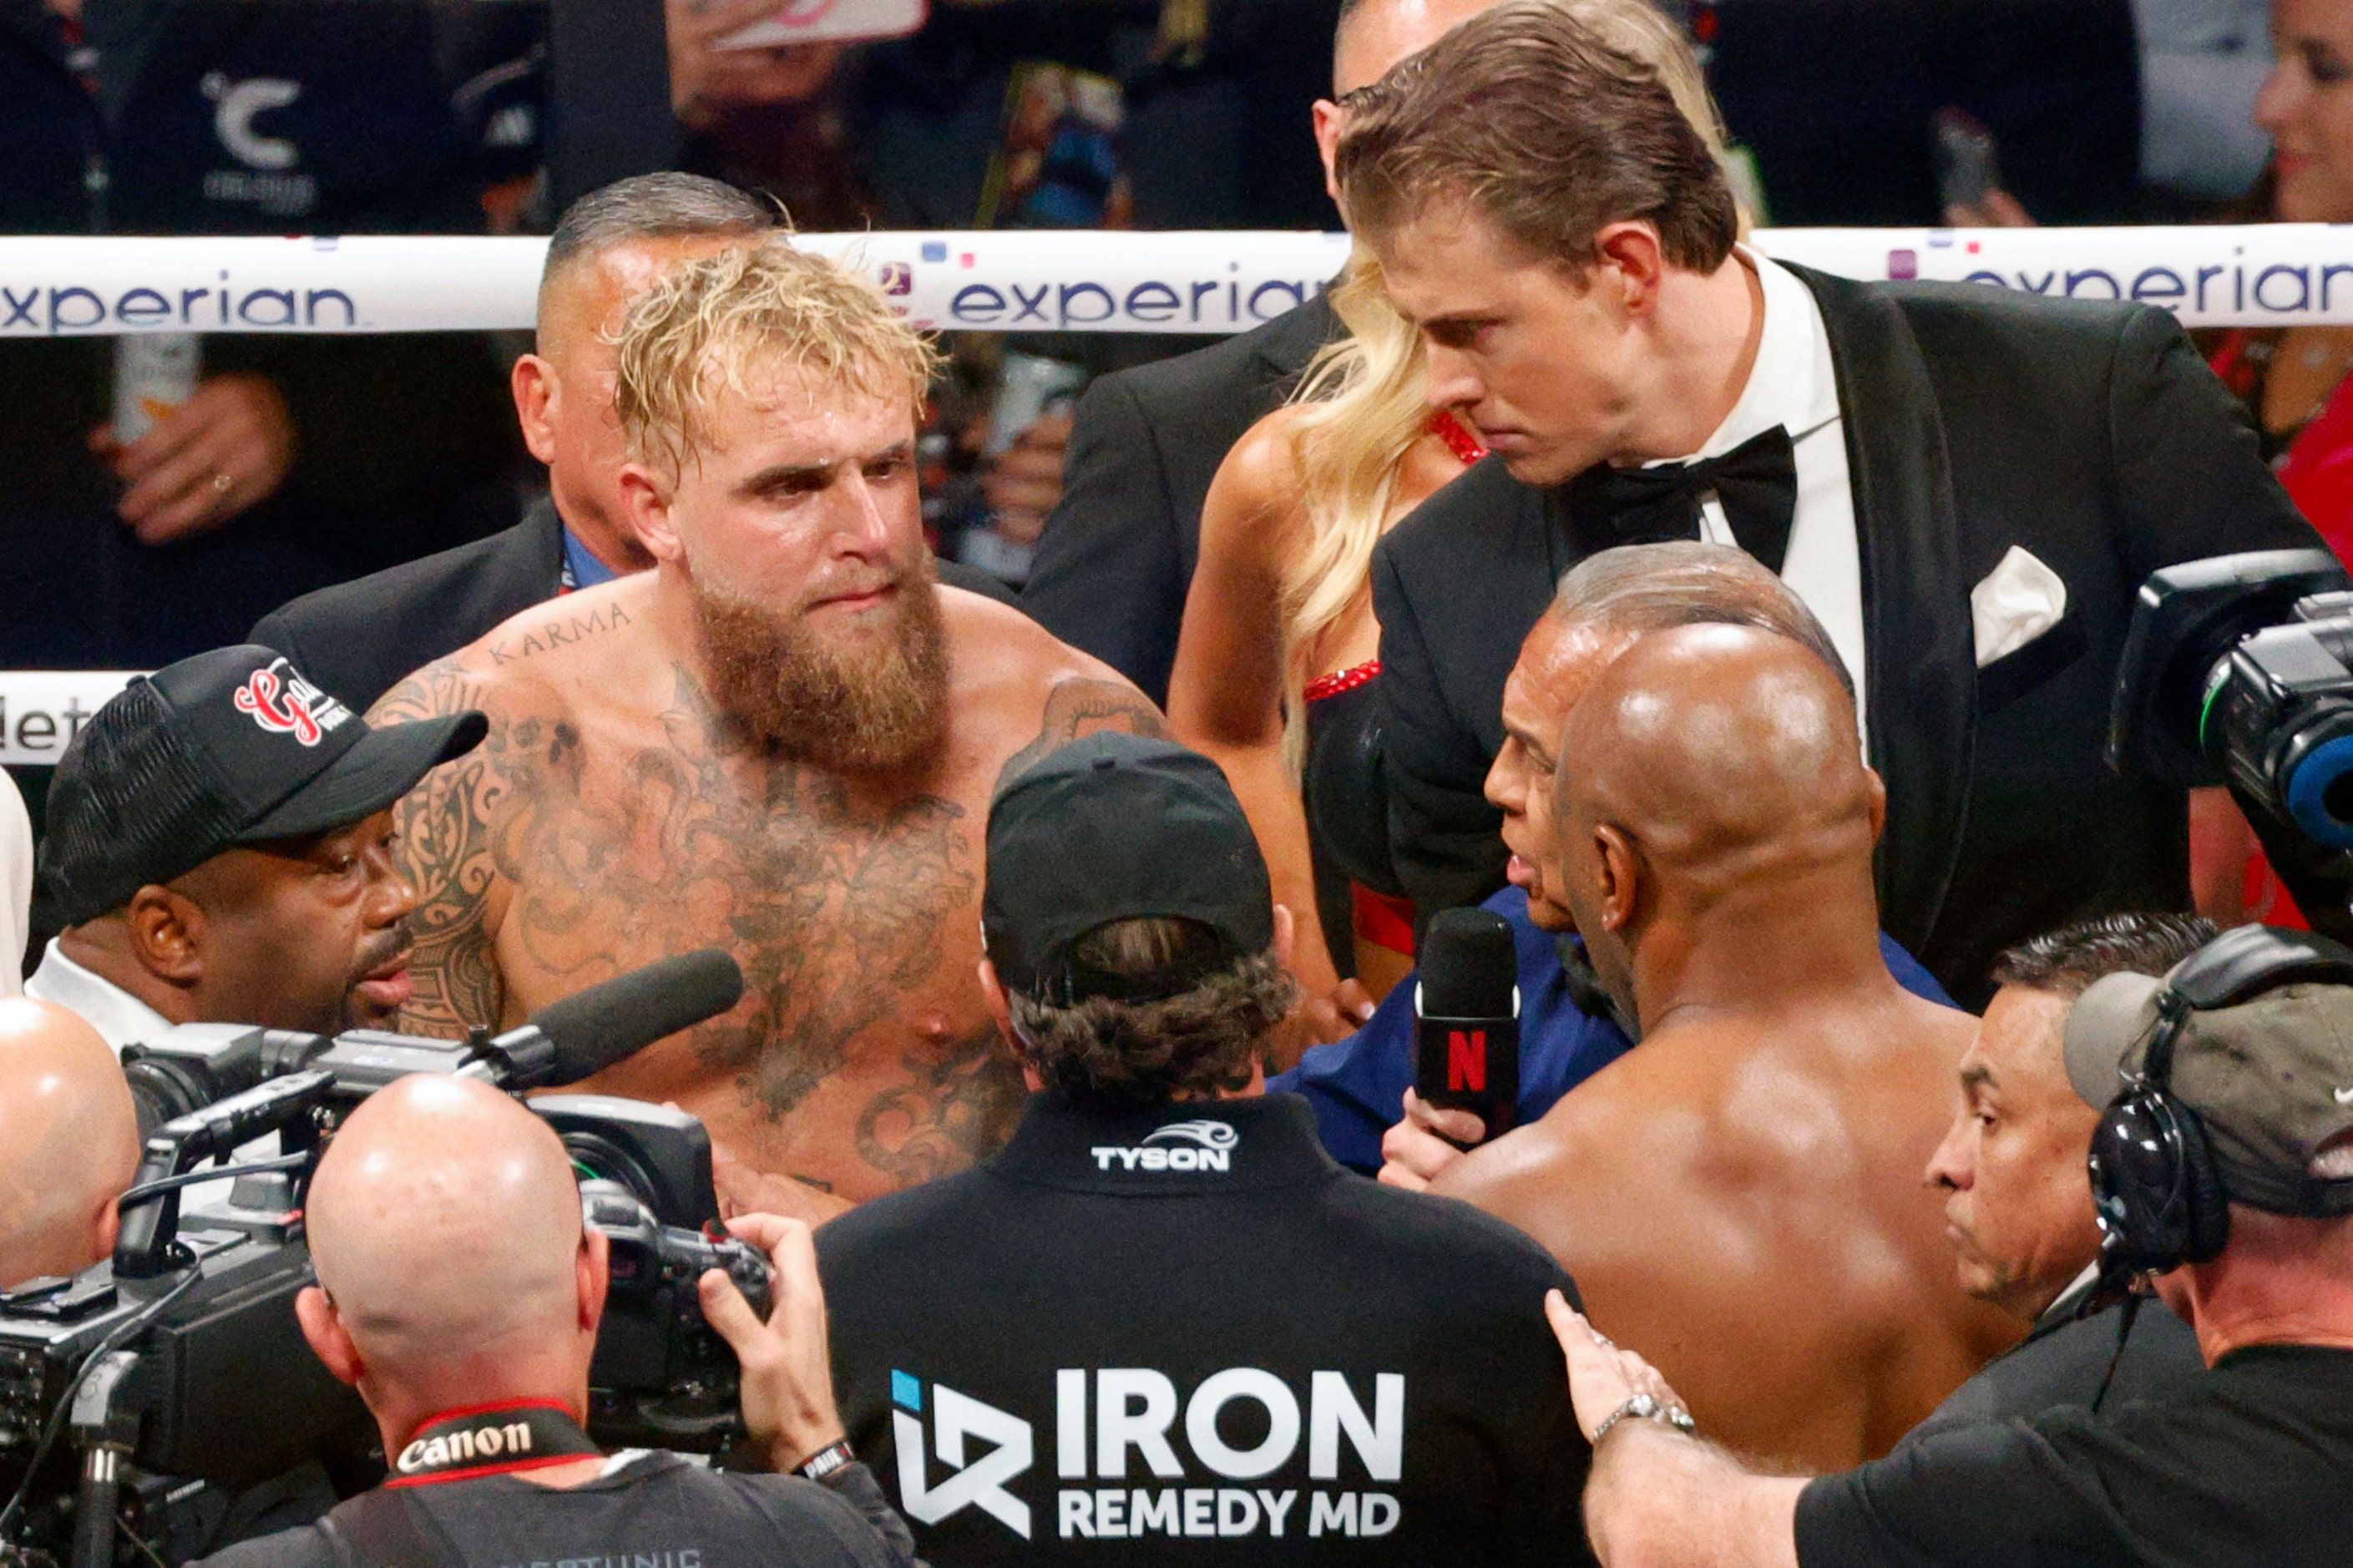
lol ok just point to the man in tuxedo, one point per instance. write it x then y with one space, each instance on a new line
1967 487
1118 552
358 639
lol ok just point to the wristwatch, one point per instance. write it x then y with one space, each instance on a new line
1647 1409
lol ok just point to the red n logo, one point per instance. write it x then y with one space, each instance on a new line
1466 1060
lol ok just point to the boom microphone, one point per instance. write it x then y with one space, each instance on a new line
188 1068
1467 1017
592 1029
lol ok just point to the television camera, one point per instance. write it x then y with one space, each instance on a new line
2238 671
177 1365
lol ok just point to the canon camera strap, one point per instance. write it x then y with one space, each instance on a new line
490 1440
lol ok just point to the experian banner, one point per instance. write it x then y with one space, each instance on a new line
1038 280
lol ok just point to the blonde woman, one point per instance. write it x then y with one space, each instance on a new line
1278 659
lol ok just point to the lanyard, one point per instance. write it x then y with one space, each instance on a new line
490 1440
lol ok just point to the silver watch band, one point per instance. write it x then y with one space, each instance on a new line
1642 1406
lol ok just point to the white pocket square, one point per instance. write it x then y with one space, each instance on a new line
2019 601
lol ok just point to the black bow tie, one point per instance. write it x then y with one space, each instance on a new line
1756 482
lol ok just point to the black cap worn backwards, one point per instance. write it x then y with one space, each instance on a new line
1113 828
230 747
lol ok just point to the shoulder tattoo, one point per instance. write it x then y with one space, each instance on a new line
445 827
1080 707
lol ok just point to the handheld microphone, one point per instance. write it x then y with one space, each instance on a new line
588 1031
1467 1017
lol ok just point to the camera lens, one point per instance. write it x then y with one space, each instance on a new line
163 1089
2319 792
601 1159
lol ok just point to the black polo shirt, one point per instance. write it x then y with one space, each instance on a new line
1188 1334
2252 1464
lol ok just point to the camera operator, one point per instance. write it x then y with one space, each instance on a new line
459 1293
2226 1151
68 1142
2019 1209
219 847
1159 1237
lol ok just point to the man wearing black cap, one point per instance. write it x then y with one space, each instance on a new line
1162 1320
219 846
2224 1160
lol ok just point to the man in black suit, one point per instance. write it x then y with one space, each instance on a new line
1118 552
1967 487
358 638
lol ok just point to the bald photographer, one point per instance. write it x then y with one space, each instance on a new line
460 1293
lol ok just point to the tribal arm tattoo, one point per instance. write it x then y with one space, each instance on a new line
445 827
1081 707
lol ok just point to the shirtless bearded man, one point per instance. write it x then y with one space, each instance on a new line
782 740
1741 1192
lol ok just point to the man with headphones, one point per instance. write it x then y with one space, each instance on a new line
2226 1151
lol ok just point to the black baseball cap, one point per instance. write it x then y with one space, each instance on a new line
1118 826
230 747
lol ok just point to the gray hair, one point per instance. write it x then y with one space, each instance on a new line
2067 962
1637 588
653 206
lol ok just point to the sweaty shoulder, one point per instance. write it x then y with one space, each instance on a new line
1444 1237
531 657
1047 692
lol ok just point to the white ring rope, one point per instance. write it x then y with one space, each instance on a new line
1031 281
1085 280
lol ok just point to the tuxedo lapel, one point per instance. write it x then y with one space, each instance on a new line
1923 673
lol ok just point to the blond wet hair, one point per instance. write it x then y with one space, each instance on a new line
718 326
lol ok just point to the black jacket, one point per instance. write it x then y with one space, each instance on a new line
1118 552
357 639
2091 434
2069 1360
1130 1329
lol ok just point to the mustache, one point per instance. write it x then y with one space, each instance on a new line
399 941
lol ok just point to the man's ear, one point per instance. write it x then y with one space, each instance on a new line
532 382
646 501
1620 872
1632 263
327 1337
1878 804
992 991
109 1228
1327 145
593 1271
167 935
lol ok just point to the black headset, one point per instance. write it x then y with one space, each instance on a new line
2160 1197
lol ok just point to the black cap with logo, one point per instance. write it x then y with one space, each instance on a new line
230 747
1118 826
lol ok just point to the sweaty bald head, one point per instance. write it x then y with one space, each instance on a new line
1708 763
444 1220
69 1141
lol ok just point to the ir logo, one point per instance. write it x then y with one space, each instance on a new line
975 1482
239 104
